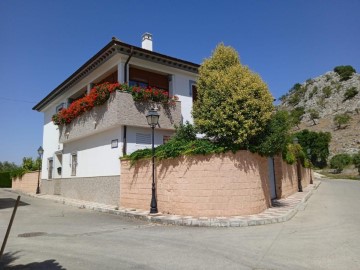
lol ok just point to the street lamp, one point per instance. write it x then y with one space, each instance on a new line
296 141
152 118
309 157
40 152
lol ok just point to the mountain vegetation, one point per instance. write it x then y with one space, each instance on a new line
328 103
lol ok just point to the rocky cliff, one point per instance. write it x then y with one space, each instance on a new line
320 100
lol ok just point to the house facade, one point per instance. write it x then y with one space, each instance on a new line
84 154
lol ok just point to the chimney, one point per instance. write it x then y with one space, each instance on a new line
147 42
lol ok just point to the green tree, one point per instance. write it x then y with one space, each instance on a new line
31 165
234 104
345 72
7 166
356 161
314 114
296 115
274 138
339 162
318 143
341 120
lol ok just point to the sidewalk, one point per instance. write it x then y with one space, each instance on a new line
281 211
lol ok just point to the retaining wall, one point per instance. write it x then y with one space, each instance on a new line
27 183
101 189
210 186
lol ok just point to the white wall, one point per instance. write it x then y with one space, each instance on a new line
182 90
50 140
94 154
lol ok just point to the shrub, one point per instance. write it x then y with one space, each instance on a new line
350 93
345 72
321 102
341 119
313 92
327 91
5 180
339 162
356 161
185 132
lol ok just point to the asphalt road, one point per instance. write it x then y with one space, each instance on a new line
49 235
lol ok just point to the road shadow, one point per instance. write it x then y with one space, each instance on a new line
10 203
6 262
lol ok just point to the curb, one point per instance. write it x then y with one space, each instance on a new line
269 216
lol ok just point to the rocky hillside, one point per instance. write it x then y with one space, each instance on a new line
318 102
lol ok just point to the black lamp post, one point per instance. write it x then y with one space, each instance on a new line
309 157
296 141
40 152
152 118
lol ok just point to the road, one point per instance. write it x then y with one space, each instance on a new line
49 235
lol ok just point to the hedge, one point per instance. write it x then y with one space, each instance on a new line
5 180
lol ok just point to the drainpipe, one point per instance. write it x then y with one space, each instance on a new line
126 64
125 141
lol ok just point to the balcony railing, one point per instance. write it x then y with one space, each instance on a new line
119 110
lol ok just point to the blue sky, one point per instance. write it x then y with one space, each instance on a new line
43 42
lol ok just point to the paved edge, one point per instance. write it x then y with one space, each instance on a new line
285 213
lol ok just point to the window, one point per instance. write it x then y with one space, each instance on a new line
143 138
140 77
60 107
73 164
50 168
193 90
166 138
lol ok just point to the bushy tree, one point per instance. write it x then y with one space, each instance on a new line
341 120
274 138
345 72
7 166
314 114
356 161
296 115
339 162
234 104
318 143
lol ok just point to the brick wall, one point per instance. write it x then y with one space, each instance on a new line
27 183
287 178
215 185
210 186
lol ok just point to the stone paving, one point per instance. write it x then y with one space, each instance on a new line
282 210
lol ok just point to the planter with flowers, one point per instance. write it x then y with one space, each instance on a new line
102 92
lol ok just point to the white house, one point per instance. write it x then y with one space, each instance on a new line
81 159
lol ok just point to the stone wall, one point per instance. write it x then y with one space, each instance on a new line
210 186
27 183
101 189
120 109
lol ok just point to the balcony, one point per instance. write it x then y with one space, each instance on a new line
119 110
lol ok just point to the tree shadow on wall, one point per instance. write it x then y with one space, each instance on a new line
7 260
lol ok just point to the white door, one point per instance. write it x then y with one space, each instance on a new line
272 178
